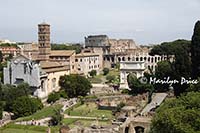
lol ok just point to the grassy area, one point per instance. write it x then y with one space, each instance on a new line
114 72
45 112
102 78
90 110
73 122
69 121
14 128
10 130
95 80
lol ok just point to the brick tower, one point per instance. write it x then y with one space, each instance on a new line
44 41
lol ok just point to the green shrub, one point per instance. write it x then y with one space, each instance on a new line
110 78
93 73
125 91
105 71
53 97
56 118
24 106
63 94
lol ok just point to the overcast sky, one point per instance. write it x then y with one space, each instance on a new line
145 21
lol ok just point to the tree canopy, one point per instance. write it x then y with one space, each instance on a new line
105 71
75 85
93 73
76 47
136 86
170 48
24 106
181 67
195 51
180 115
10 93
163 70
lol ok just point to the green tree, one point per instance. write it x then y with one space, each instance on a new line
181 67
63 94
170 48
53 97
75 85
105 71
136 86
23 89
93 73
76 47
24 106
195 51
180 115
1 110
1 56
194 87
11 93
163 70
56 118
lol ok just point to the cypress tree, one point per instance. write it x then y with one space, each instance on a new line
195 51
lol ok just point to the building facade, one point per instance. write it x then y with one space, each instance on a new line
43 77
86 62
121 45
98 41
9 50
122 50
30 50
66 57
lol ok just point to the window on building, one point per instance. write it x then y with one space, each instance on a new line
152 60
25 68
42 85
113 59
123 58
148 59
119 59
155 59
54 83
108 58
76 60
149 67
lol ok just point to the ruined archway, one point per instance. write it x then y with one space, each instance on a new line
139 129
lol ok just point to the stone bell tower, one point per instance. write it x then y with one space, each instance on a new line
44 41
